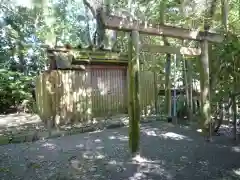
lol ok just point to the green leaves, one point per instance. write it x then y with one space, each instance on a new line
14 88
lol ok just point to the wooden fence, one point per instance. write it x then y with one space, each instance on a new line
75 95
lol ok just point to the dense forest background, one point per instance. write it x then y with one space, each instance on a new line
26 25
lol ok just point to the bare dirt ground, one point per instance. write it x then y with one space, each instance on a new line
17 128
167 153
19 124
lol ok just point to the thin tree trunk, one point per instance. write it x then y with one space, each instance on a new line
234 106
20 49
190 88
234 110
185 80
218 121
155 93
225 9
168 95
205 90
204 73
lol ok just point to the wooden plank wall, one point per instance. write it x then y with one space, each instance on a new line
108 86
100 91
43 96
73 95
147 92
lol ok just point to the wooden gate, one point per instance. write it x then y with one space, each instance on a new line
108 90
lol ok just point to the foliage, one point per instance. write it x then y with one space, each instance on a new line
15 87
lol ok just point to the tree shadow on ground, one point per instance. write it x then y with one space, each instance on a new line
166 152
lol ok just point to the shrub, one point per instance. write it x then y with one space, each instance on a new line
14 88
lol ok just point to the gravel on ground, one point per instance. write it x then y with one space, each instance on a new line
166 153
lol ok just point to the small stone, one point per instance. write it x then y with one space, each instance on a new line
93 169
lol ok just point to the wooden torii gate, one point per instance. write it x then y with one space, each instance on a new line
128 25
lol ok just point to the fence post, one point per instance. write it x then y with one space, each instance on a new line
134 93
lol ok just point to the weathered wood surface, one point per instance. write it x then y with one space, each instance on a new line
99 91
89 54
125 24
170 50
99 61
68 59
134 91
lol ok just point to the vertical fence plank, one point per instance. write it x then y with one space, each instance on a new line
94 97
78 94
74 96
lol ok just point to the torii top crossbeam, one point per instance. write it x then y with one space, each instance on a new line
125 24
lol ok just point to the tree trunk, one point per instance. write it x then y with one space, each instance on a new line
22 67
224 5
234 110
186 82
190 88
103 38
155 93
234 106
110 36
130 91
205 90
218 121
204 73
88 40
168 95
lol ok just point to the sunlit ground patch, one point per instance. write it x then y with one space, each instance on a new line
199 130
166 135
50 146
80 146
175 136
119 137
147 166
93 155
237 172
236 149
